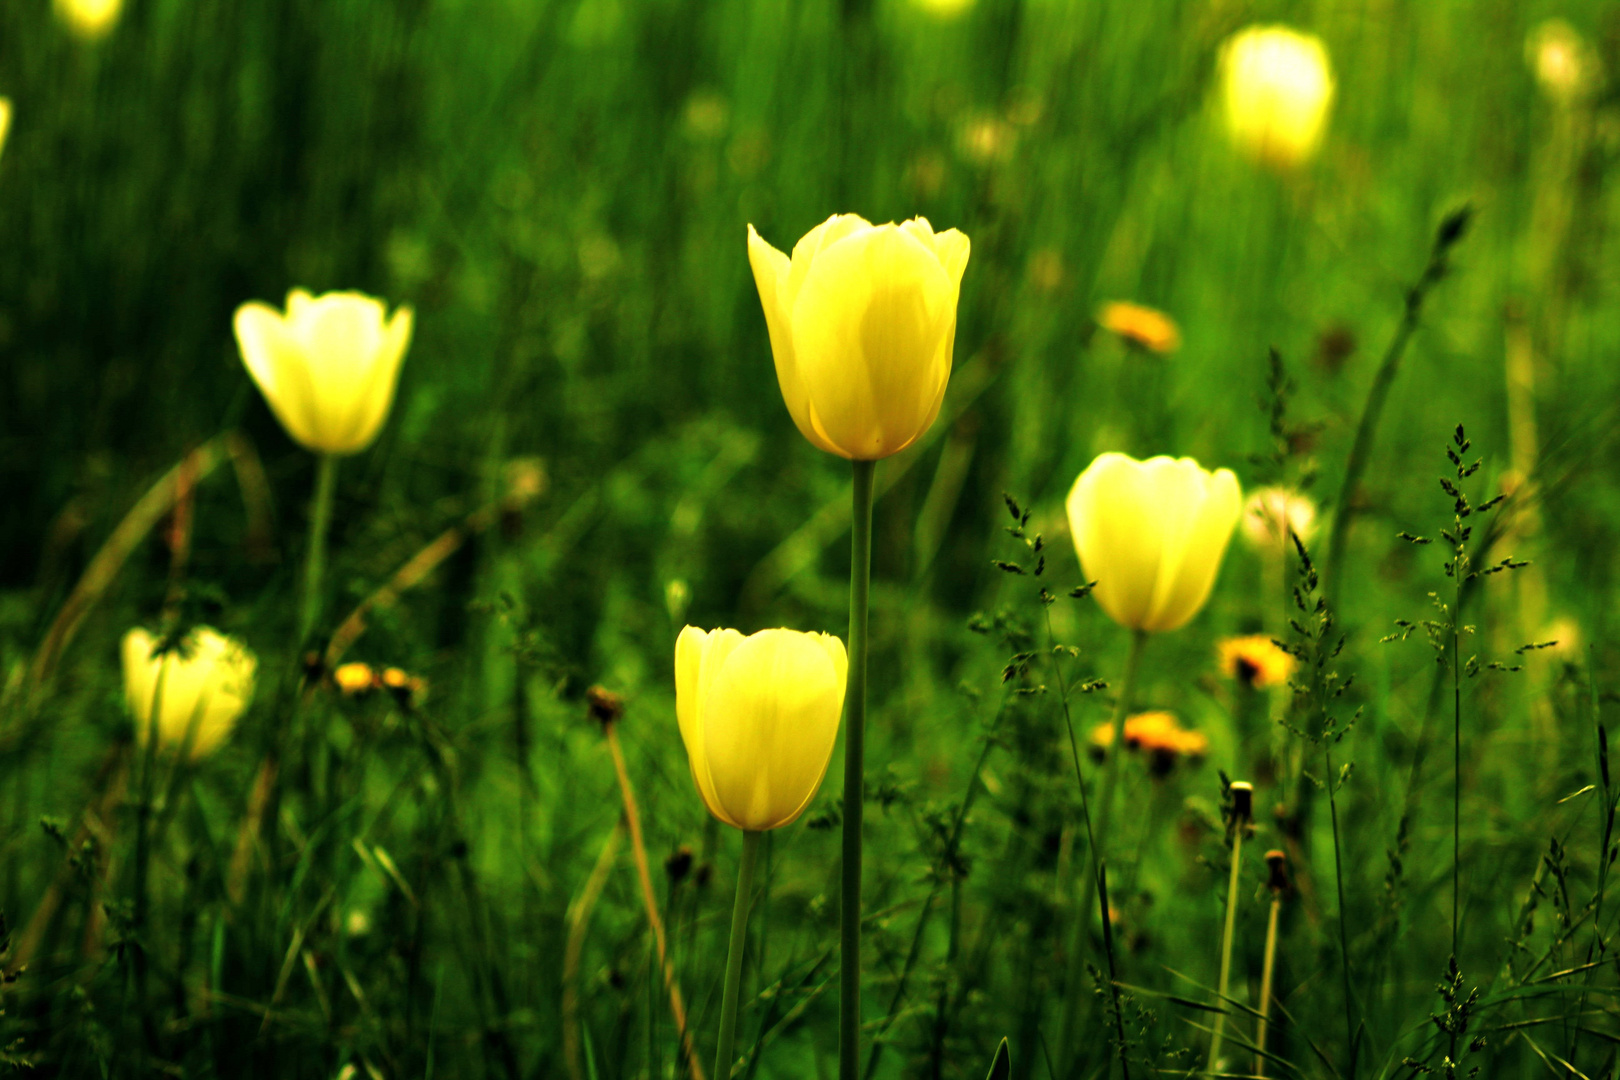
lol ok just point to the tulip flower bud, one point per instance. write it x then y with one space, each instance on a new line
89 19
862 321
203 687
1277 88
328 367
759 716
1152 534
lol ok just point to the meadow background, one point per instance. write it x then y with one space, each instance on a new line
560 188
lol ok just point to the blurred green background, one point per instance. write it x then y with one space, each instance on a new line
560 188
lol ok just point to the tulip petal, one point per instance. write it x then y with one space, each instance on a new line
341 334
275 359
1213 512
871 336
770 720
1115 526
953 249
375 396
699 656
771 272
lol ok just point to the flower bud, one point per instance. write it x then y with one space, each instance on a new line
759 717
199 688
1277 88
327 367
862 321
1152 534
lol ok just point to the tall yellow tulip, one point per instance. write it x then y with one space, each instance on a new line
205 686
862 321
1277 88
328 366
759 716
1152 534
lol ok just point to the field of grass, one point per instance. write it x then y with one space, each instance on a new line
589 450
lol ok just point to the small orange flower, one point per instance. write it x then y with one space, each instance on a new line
1141 326
1255 660
354 678
1159 736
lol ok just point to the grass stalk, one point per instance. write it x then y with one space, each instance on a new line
1344 935
726 1055
1267 968
1242 810
849 974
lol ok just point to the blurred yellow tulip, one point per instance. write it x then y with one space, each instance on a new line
5 120
1277 86
206 684
89 19
328 367
862 321
759 716
1152 534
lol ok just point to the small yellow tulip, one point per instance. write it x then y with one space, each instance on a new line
5 120
862 322
328 367
90 19
1152 534
206 684
759 716
1277 87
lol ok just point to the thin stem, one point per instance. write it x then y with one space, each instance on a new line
1265 986
725 1057
320 521
1226 948
1456 770
849 973
1344 937
1116 748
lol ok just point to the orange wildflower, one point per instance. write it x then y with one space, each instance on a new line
1141 326
1159 736
1255 660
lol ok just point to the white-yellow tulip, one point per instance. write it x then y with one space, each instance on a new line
1152 534
90 19
328 366
199 689
1277 88
759 716
862 321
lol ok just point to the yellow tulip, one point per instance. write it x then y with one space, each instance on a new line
5 120
89 19
1152 534
205 686
1277 87
862 321
759 716
328 367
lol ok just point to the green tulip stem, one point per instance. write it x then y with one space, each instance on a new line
1116 745
849 970
725 1056
1226 949
320 522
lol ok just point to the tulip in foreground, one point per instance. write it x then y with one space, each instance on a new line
1277 89
1152 534
327 366
199 688
862 322
759 716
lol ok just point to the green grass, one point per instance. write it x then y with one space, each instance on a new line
561 188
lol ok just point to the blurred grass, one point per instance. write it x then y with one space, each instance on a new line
561 189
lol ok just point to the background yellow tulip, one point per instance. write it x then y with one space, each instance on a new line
1277 86
206 686
89 19
1152 534
862 322
759 716
328 367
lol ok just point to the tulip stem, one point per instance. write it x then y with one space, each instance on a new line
725 1056
320 521
849 971
1116 745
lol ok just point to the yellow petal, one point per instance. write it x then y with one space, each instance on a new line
200 689
1116 536
699 656
5 120
1212 515
1278 88
771 271
872 336
770 720
275 360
